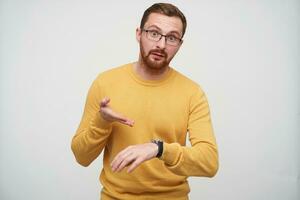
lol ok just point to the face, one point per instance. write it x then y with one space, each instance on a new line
157 55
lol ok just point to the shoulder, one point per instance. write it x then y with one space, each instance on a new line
187 84
115 74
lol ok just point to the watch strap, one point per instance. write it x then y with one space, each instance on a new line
160 145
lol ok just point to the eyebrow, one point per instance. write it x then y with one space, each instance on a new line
176 32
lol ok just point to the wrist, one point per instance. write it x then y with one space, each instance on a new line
99 121
160 147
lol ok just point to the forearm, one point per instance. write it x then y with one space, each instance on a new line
202 158
90 139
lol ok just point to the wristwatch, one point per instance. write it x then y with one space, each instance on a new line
160 145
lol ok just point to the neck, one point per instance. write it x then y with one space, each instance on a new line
148 73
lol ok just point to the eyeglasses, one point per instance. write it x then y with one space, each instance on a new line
156 36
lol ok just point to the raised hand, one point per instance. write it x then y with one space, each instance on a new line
109 115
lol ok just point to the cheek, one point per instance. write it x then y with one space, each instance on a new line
172 52
145 46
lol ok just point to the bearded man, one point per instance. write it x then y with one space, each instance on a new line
140 114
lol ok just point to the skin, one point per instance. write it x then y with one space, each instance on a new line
160 64
153 64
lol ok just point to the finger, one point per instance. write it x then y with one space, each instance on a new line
127 122
104 101
127 161
134 165
124 120
118 117
119 158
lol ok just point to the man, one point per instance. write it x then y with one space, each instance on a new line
141 113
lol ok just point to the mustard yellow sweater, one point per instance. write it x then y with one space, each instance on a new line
165 109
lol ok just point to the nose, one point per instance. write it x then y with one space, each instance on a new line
161 43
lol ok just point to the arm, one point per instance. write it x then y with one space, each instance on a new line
95 126
93 131
202 158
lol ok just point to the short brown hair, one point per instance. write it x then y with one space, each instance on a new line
165 9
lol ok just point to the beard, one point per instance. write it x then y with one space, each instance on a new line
154 64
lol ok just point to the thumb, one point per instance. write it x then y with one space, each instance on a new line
104 101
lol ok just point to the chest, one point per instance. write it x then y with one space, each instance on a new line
157 112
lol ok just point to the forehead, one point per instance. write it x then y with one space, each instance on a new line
165 23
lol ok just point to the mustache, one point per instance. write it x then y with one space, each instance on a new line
160 51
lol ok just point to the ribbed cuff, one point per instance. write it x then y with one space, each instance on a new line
170 153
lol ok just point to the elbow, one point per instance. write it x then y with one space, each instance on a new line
213 171
79 158
213 168
82 162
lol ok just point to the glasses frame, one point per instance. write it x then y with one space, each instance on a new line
161 35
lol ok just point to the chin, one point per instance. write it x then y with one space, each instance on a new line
156 64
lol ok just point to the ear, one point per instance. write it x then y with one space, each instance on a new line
179 46
181 42
138 33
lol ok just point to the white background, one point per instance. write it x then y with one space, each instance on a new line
244 54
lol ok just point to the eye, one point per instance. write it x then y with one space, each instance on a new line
154 33
172 38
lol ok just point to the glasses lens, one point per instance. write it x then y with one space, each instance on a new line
153 35
172 41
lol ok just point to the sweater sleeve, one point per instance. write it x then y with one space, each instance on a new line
93 131
201 159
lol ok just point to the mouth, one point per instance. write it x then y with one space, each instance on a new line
158 55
